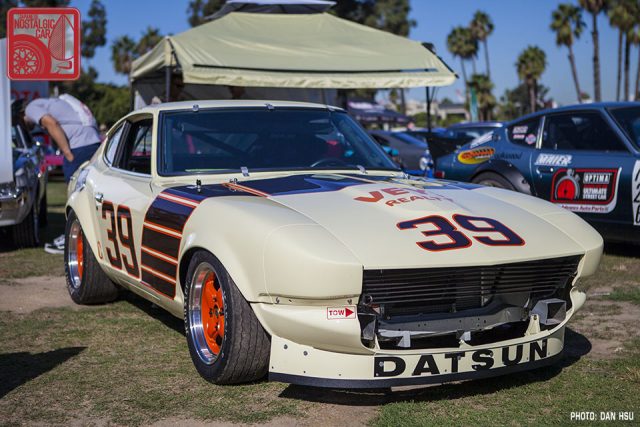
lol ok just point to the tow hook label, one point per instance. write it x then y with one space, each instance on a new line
346 312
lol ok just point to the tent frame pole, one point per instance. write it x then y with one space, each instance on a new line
167 84
428 109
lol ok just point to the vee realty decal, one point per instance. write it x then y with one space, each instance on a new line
43 43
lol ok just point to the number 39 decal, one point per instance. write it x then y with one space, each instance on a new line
115 224
493 233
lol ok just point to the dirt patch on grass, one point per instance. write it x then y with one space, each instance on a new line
607 324
33 293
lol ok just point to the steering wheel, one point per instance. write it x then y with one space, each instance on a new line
329 161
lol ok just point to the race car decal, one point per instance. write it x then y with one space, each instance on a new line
635 193
585 190
476 155
545 159
161 237
437 364
439 226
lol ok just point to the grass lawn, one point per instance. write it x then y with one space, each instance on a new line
128 363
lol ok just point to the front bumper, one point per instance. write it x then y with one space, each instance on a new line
299 364
13 208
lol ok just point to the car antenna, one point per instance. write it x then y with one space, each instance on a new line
244 170
362 169
198 185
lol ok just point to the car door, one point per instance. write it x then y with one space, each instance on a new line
585 166
122 193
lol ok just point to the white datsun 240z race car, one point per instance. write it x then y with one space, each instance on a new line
291 244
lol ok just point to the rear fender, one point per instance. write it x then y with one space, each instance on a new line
508 171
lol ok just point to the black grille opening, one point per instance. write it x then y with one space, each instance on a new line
454 289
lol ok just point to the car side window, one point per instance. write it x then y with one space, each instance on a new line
381 140
16 139
580 131
136 156
112 145
525 132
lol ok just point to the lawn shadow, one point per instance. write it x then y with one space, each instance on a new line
576 346
19 368
152 310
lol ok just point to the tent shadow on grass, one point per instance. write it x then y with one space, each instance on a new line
21 367
576 346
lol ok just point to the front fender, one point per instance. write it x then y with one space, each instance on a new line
270 250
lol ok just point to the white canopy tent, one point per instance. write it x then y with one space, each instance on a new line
302 54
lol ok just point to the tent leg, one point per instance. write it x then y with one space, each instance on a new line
428 109
167 84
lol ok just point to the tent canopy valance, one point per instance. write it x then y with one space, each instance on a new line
315 50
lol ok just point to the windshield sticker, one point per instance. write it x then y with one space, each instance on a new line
553 159
481 139
635 192
476 155
518 136
585 190
520 129
530 139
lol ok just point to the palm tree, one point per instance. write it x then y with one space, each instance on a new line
568 25
483 88
150 38
461 43
530 65
595 7
122 54
634 37
481 28
621 16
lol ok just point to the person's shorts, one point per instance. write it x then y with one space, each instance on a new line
80 155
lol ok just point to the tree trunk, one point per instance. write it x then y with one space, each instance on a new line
532 95
572 61
473 64
464 77
596 60
627 49
486 58
619 65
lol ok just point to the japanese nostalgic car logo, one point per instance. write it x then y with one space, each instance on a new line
43 43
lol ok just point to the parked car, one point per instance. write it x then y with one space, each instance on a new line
452 138
53 155
291 245
23 202
410 149
585 158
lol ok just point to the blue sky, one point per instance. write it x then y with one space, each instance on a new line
518 23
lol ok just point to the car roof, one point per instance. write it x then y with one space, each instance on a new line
229 103
591 106
475 124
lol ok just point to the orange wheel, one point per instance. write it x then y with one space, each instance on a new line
212 311
206 313
75 240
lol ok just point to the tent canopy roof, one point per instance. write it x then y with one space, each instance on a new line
314 50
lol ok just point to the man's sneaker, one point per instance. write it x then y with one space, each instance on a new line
52 249
58 242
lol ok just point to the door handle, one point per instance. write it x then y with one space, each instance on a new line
99 197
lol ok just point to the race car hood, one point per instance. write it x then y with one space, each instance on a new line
371 216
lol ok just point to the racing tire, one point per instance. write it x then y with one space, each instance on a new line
43 212
86 282
226 341
491 179
27 233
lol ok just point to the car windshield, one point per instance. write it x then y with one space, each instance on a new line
222 140
628 118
